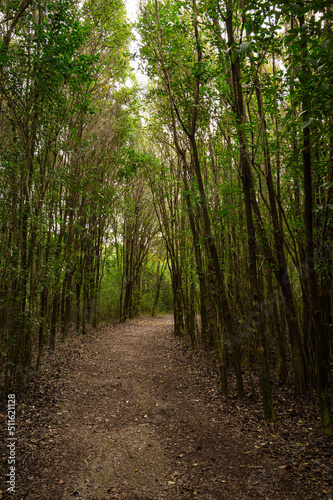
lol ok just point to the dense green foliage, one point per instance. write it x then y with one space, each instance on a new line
240 106
217 202
68 124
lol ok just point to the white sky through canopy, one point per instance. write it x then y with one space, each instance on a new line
132 7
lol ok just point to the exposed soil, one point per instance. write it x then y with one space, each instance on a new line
129 412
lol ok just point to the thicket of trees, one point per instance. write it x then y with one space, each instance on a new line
67 125
240 100
222 195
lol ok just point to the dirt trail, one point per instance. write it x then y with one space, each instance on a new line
133 422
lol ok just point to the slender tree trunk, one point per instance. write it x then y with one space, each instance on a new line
318 330
249 194
53 330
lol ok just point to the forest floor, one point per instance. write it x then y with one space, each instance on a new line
130 412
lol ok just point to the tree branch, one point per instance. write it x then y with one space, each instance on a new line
6 40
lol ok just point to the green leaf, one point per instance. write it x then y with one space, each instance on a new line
244 47
307 123
289 38
312 61
296 7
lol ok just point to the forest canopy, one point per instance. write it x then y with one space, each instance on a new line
209 191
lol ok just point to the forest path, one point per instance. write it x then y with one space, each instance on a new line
134 421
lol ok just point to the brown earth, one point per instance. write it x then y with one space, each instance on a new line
129 412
